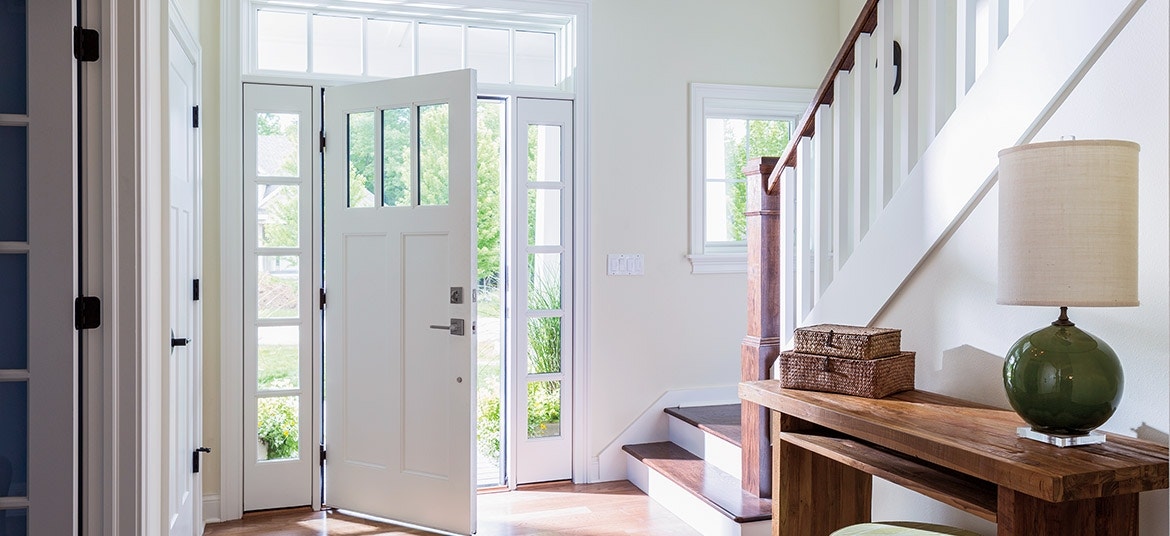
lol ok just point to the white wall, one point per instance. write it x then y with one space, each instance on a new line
947 310
671 329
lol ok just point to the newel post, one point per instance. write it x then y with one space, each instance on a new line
761 346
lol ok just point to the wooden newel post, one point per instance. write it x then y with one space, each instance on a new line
761 346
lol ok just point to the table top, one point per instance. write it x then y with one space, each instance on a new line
977 440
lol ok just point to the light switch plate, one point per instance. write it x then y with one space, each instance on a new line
625 264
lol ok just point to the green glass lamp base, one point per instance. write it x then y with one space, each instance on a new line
1062 380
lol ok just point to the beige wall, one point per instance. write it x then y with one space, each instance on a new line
210 125
947 311
671 329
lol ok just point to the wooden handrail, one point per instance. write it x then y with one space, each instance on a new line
865 23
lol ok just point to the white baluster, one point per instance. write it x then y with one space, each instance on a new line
908 126
788 250
822 208
843 127
863 133
805 183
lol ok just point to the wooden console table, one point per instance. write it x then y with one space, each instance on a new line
827 448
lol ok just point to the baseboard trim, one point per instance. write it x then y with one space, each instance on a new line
211 512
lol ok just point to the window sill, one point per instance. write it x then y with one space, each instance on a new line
722 263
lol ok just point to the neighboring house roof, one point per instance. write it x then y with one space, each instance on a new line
272 151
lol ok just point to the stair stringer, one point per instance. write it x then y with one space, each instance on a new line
1009 103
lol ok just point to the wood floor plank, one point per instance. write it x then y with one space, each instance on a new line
610 508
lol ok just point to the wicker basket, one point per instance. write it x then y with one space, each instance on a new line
870 378
853 342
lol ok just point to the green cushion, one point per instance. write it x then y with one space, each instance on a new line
901 528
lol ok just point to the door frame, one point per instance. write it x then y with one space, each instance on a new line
228 505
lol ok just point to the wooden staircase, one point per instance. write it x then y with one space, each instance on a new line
874 180
695 475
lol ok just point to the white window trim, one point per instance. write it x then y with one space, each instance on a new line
729 101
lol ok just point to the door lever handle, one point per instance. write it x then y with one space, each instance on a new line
456 326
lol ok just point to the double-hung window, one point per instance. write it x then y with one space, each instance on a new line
730 125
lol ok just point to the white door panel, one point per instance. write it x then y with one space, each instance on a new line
182 394
399 406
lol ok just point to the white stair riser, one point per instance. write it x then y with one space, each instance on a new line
714 450
704 518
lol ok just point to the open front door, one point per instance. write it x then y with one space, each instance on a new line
399 323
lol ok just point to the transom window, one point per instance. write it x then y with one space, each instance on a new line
729 126
341 39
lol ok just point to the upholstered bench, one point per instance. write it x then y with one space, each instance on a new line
901 528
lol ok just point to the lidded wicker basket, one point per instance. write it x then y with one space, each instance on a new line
852 342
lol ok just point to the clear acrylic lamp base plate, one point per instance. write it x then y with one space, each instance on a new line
1092 438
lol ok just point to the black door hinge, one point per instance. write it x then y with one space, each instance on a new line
195 116
321 301
86 44
321 449
322 141
195 290
87 312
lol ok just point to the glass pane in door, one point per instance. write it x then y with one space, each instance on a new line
544 153
433 151
544 217
544 345
544 283
277 286
278 139
13 184
278 357
544 409
14 521
14 312
14 59
14 439
278 209
277 430
396 157
363 174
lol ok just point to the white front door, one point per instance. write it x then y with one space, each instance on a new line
182 392
399 273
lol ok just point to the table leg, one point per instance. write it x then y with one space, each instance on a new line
813 495
1023 515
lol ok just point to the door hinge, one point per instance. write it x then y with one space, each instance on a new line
321 299
195 290
87 312
321 449
86 44
322 140
195 458
195 116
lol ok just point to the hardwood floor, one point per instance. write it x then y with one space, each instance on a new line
561 508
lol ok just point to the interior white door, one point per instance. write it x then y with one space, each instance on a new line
182 393
399 228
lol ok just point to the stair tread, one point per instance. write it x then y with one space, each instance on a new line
722 421
705 481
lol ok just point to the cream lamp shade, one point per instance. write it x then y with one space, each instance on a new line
1068 224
